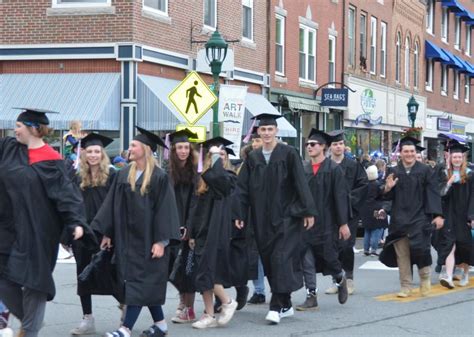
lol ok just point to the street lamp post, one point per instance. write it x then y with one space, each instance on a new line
216 51
412 110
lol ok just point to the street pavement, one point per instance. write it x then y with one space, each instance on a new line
370 311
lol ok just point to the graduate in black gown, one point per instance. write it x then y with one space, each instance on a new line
272 184
357 182
139 218
182 171
457 246
416 211
211 232
331 196
38 202
94 178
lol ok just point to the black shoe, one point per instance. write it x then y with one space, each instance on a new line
241 298
153 331
342 293
257 299
366 253
217 306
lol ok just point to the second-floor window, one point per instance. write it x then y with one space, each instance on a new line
156 5
363 41
444 25
430 16
444 80
398 50
407 62
456 85
467 88
247 19
373 45
429 75
332 59
80 3
383 49
457 33
210 13
280 45
307 53
416 65
468 42
351 36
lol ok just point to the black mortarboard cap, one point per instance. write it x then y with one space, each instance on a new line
408 140
34 115
182 136
95 139
229 151
149 138
457 148
336 135
320 136
267 119
419 148
216 141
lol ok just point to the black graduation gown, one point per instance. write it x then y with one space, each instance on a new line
279 198
331 197
357 181
416 201
458 211
93 199
373 202
38 202
134 223
211 229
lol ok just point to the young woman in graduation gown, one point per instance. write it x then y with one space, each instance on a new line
457 247
94 178
37 203
139 219
210 237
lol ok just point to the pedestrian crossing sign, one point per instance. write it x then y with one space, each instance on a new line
192 98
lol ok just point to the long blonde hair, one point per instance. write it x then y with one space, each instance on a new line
87 180
150 164
202 186
462 170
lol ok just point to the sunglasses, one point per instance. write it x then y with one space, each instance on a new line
312 144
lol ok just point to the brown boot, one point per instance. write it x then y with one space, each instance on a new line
311 302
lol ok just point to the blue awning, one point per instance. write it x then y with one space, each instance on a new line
453 62
453 5
465 67
434 52
93 98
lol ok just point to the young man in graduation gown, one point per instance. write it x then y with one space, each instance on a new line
331 197
416 207
357 182
272 183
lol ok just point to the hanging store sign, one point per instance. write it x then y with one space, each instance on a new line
334 97
444 124
458 128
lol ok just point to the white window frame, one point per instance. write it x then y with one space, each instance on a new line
155 10
215 15
444 80
363 32
58 4
429 75
373 45
457 33
352 40
430 16
467 89
307 30
332 39
468 41
282 34
383 49
407 61
249 4
445 25
416 65
456 85
398 56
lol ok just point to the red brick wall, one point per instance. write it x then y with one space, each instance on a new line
59 66
435 100
324 13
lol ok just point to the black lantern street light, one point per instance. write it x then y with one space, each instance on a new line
412 110
216 51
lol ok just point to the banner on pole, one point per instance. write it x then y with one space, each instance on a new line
231 114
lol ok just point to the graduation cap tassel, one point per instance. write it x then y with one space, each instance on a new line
78 159
200 160
249 132
166 153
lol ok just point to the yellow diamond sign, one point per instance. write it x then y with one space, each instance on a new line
192 98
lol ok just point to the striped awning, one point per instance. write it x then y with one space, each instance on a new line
93 99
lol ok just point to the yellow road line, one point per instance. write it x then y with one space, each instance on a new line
436 290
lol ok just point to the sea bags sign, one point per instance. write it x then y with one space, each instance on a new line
231 114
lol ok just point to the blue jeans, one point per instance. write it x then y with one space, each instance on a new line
133 311
372 238
259 284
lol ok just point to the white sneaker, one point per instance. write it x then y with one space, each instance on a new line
273 317
206 321
287 312
6 332
86 327
227 312
465 280
447 282
332 290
